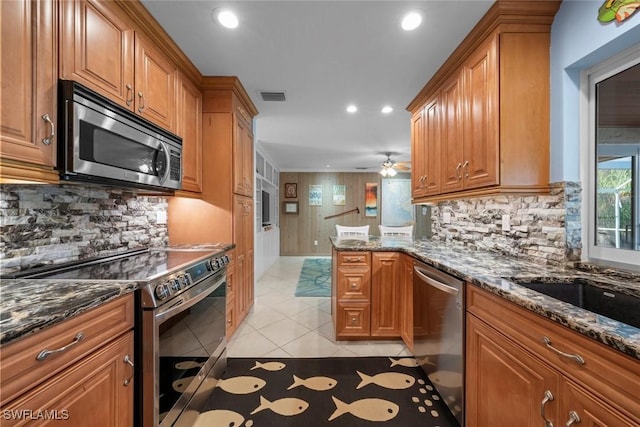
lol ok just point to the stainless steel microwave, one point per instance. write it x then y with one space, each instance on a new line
105 143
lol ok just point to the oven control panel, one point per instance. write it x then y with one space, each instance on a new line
179 281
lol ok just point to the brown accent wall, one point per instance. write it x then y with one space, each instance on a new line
298 232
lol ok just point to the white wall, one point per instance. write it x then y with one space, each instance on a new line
578 41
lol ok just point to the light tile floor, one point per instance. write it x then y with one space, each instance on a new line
283 325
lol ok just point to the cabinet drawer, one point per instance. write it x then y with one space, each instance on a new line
609 374
20 370
97 388
354 258
353 319
354 283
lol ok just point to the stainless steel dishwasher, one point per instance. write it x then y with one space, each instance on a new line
438 332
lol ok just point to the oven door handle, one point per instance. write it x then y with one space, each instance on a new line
435 283
182 304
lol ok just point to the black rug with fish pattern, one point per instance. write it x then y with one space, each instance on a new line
340 392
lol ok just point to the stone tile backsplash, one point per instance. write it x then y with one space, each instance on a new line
47 224
542 228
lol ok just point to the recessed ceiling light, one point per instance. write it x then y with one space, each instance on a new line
352 109
327 166
386 109
227 19
411 21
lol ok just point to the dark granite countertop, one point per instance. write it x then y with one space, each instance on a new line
30 305
488 270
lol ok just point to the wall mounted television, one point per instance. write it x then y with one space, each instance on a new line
266 220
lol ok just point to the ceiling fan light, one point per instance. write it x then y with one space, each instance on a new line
384 171
391 172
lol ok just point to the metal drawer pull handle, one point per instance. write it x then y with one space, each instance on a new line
548 397
129 100
352 259
573 419
435 283
46 353
575 357
458 171
465 166
47 140
129 362
141 106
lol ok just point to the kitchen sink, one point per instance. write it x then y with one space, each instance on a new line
587 294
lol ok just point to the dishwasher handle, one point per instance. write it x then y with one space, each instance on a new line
435 283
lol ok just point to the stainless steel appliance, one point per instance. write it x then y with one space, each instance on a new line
438 332
102 142
180 324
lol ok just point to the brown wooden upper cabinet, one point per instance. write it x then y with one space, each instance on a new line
29 81
100 49
242 153
189 127
480 126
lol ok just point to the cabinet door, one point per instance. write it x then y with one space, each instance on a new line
418 168
97 388
242 158
481 141
155 84
97 49
583 408
386 297
451 134
189 127
231 295
432 157
29 81
239 212
506 386
354 283
248 244
353 319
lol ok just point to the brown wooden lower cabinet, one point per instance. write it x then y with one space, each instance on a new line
89 383
367 294
513 378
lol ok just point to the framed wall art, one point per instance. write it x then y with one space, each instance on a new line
290 208
290 190
371 199
339 195
315 195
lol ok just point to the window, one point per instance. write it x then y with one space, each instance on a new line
612 178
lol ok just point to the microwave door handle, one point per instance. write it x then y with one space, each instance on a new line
167 159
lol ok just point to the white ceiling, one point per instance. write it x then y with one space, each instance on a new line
324 55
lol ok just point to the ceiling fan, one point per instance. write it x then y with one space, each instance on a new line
390 168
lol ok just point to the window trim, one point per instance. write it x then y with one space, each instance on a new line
588 79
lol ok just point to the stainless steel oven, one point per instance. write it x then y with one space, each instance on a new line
183 342
438 332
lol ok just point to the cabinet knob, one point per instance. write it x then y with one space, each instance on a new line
47 119
353 320
573 419
129 362
354 285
